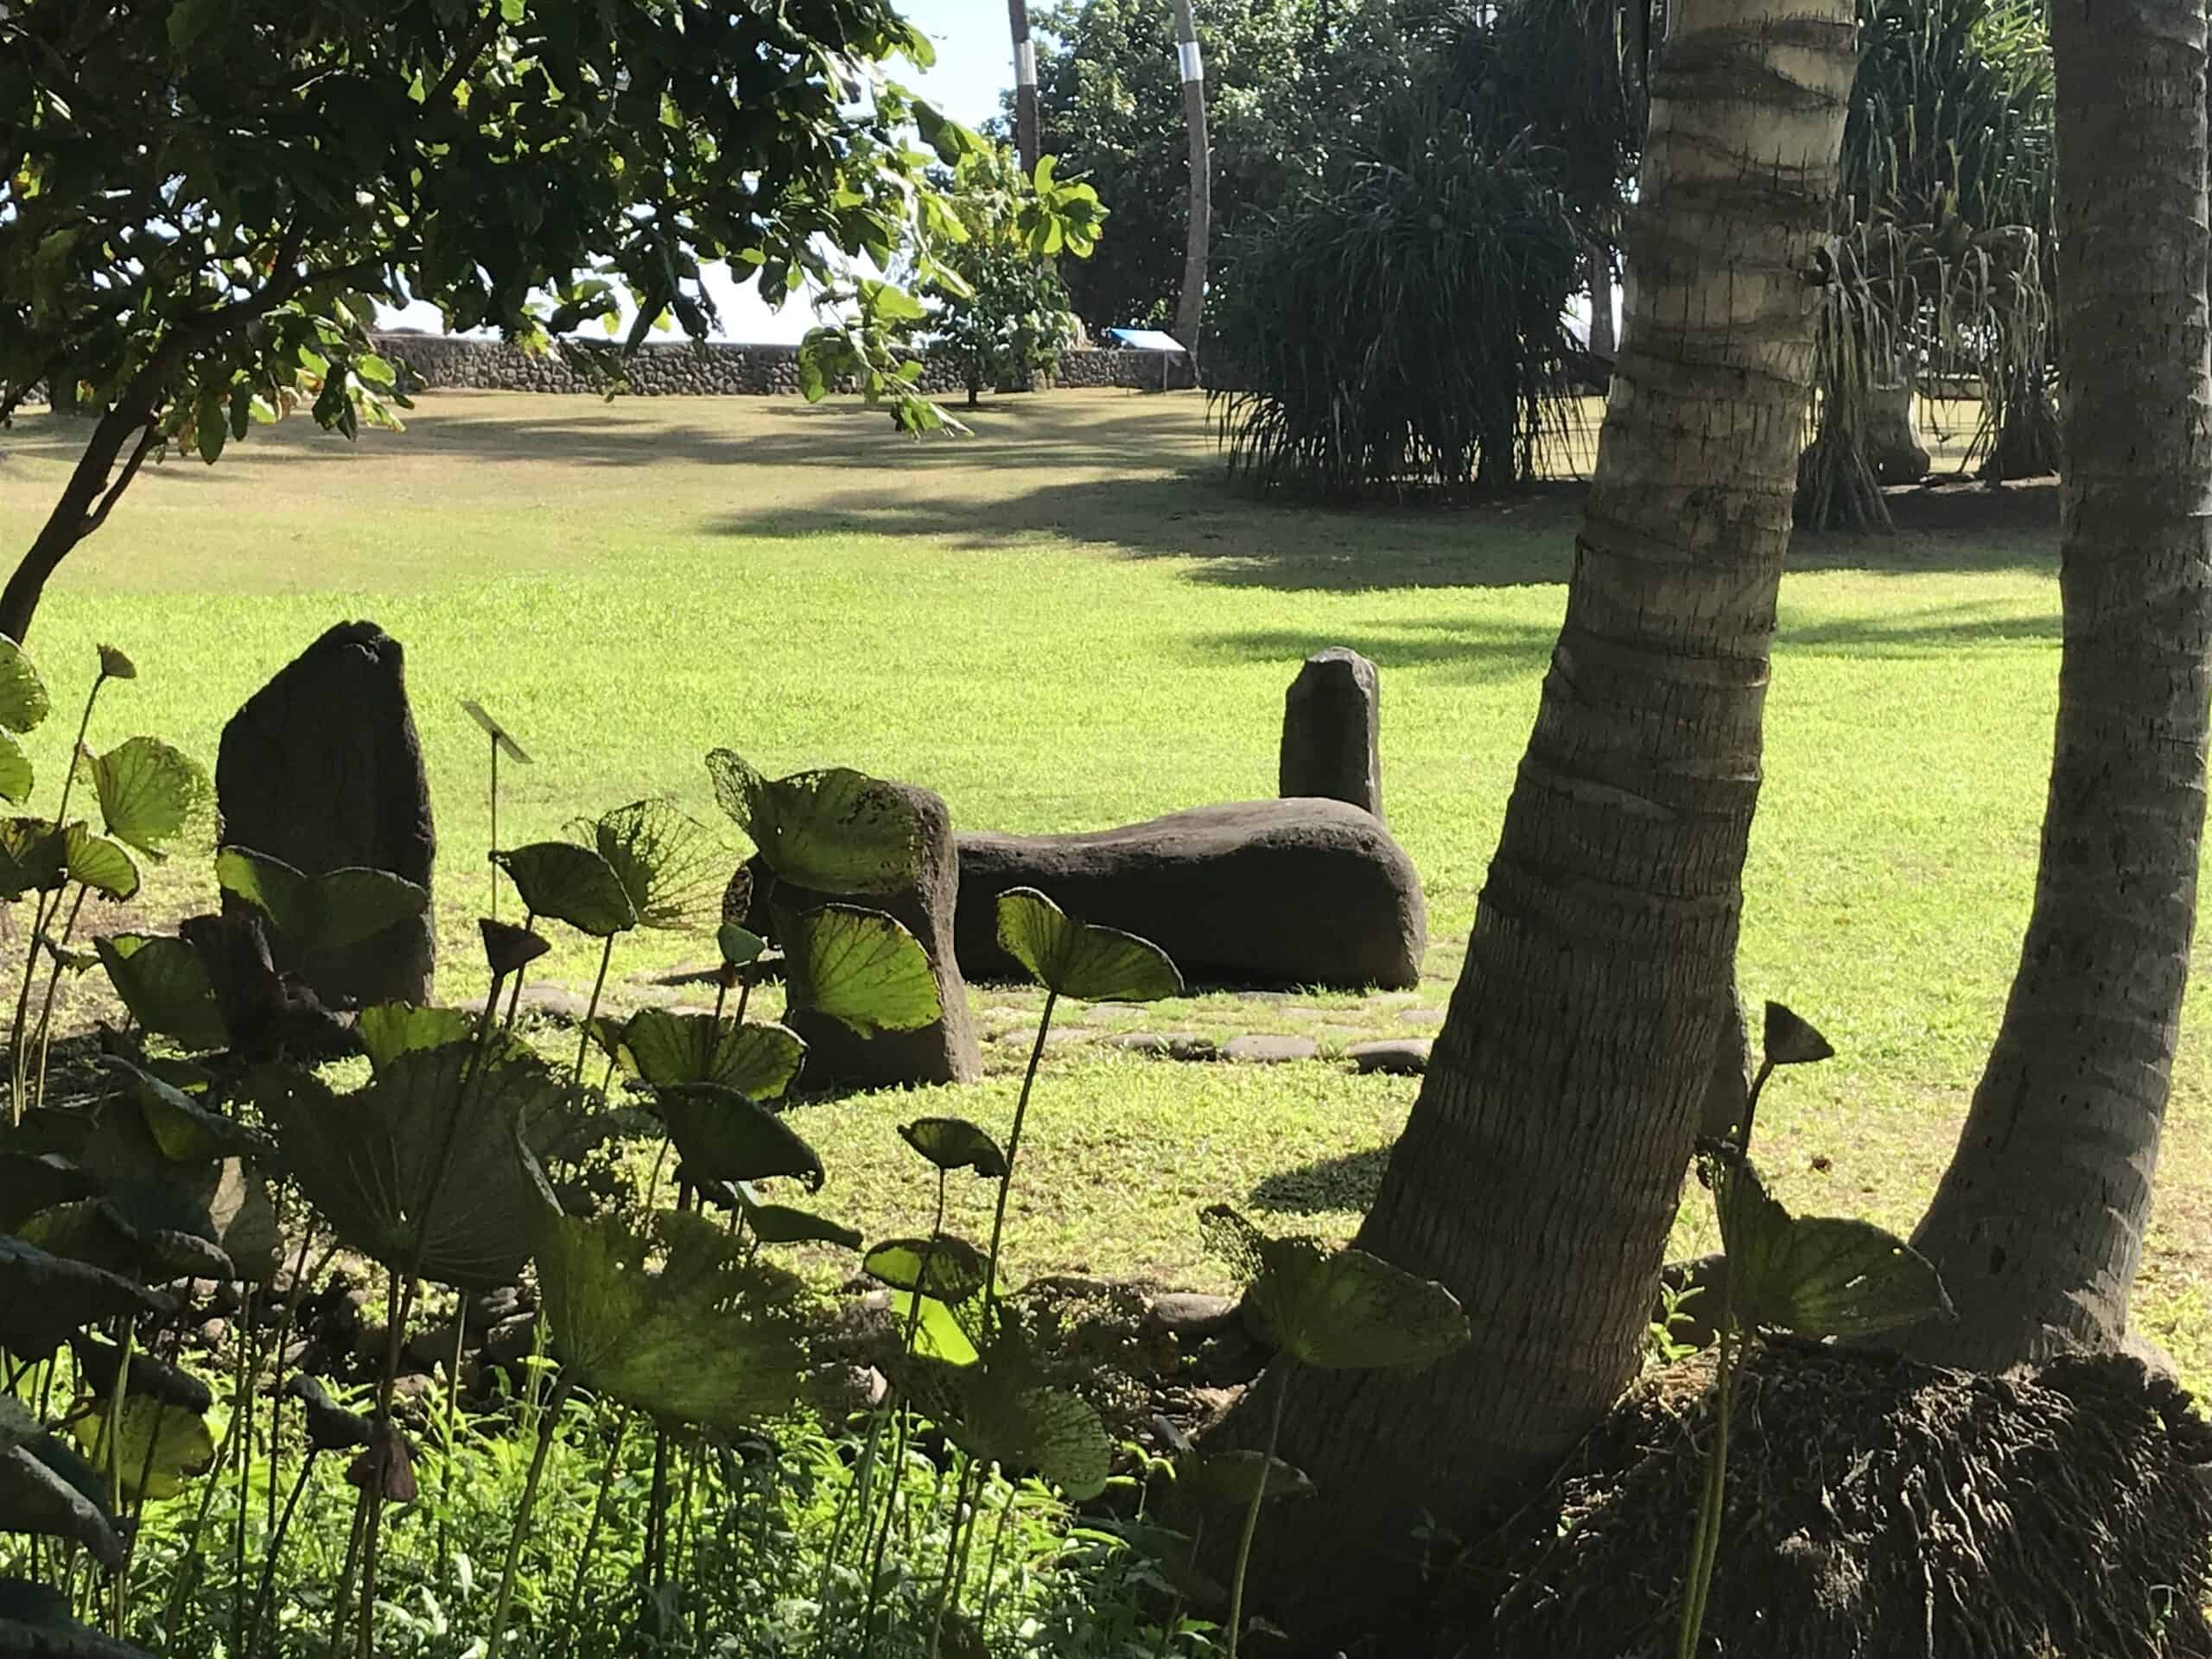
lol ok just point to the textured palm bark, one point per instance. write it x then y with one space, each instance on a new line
1189 307
1025 141
2037 1226
1541 1169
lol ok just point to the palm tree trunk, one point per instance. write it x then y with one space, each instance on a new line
1191 308
2037 1226
1025 141
1543 1162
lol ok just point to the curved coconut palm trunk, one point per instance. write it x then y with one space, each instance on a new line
2038 1224
1025 140
1190 307
1542 1167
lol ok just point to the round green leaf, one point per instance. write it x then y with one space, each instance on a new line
671 866
33 857
371 1159
509 949
836 831
15 775
319 913
939 1332
390 1029
186 1131
1337 1309
23 701
164 982
947 1268
1230 1480
99 863
149 791
1818 1275
723 1137
44 1297
1094 964
756 1060
864 969
704 1339
47 1490
1025 1425
156 1450
954 1143
782 1223
739 948
571 884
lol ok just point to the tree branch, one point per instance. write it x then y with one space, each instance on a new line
97 516
471 50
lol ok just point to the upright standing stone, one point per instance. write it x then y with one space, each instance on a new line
1331 731
323 769
943 1053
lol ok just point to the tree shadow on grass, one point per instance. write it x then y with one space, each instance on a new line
1346 1182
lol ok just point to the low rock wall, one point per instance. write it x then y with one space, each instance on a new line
714 369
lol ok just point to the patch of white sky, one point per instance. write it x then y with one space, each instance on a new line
973 66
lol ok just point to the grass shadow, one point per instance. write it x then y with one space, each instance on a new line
1347 1182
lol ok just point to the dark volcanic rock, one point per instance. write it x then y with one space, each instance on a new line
1304 892
322 769
1331 731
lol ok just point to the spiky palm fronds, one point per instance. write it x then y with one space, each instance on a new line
1398 327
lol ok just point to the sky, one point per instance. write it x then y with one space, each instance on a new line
975 64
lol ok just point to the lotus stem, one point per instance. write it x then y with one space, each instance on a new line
1752 1102
591 1533
583 1041
548 1428
1252 1513
453 1404
1013 1151
276 1549
344 1599
1706 1548
44 910
397 1307
991 1566
949 1586
42 1039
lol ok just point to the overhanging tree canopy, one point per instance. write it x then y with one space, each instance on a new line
202 202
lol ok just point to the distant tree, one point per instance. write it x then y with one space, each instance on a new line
203 202
1002 315
1190 302
1111 93
1025 143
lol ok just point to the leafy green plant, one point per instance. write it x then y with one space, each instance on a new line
1332 1309
1002 316
1815 1275
148 794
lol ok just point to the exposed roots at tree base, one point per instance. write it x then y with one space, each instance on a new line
1876 1507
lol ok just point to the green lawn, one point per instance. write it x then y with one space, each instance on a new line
1066 622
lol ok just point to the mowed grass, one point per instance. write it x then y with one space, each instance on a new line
1067 621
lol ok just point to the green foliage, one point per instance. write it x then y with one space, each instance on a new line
571 884
836 831
164 984
1942 261
420 1169
205 262
864 969
704 1339
1077 959
1002 317
725 1137
319 913
1336 1309
670 865
756 1060
1396 323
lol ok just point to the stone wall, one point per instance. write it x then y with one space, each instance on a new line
715 369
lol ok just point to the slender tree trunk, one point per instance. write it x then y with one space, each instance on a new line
84 499
1543 1162
1600 264
2038 1224
1191 308
1025 141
